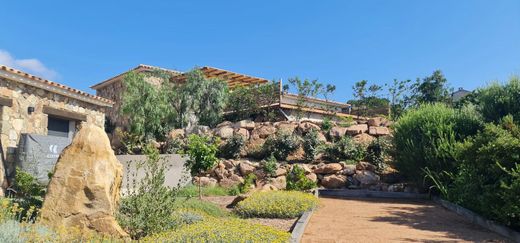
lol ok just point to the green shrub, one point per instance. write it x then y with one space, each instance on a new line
344 149
377 153
222 230
29 193
488 177
281 144
202 155
498 100
147 207
326 125
249 181
276 204
269 166
232 148
197 205
297 181
426 138
311 145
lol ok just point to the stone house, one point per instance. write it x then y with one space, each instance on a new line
316 109
36 106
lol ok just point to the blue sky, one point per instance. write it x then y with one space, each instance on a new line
80 43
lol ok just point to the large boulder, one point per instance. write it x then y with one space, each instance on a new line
205 181
379 131
224 132
305 127
245 168
242 132
363 138
84 189
279 182
362 165
311 176
286 127
376 121
331 168
337 132
334 181
177 133
349 170
263 131
246 124
366 178
357 129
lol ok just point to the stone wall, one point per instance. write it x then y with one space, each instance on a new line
16 119
326 174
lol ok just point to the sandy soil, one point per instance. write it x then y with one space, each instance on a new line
282 224
390 220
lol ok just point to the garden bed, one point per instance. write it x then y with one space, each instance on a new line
281 224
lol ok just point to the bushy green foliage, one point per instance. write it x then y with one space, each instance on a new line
297 181
269 166
146 106
326 125
222 230
250 101
28 192
498 100
146 209
232 147
344 149
276 204
201 151
377 153
488 177
281 144
311 144
249 182
426 138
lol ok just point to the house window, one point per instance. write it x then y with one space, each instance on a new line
58 127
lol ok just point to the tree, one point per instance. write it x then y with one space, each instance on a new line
146 107
367 98
308 88
202 155
399 97
252 100
432 89
204 98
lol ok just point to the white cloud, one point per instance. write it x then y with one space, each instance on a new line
32 65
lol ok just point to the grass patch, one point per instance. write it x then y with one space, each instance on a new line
193 190
276 204
195 204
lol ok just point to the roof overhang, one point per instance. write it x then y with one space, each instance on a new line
31 80
139 68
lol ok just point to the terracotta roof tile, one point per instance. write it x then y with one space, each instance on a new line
54 84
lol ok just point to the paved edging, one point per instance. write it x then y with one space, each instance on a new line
299 226
354 193
479 220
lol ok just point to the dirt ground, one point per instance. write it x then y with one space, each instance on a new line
391 220
281 224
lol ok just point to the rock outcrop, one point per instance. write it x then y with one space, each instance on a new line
84 189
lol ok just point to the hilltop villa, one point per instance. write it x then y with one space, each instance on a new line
112 89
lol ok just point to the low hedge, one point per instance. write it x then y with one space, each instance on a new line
221 230
276 204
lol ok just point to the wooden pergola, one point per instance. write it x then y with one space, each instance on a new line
233 79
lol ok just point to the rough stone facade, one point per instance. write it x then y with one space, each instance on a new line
28 111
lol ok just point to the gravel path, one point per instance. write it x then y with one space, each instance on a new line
391 220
